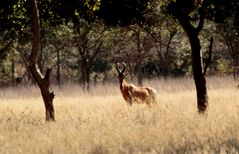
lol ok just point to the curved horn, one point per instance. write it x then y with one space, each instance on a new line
117 67
124 66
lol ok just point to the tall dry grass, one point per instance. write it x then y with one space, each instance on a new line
101 122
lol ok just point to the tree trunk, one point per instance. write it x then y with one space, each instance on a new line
88 80
47 96
235 66
234 58
139 73
197 64
139 61
82 74
13 72
199 77
58 68
42 81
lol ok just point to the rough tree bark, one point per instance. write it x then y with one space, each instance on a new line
42 81
199 76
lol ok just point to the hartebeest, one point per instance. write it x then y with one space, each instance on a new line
132 93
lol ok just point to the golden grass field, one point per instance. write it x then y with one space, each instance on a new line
101 122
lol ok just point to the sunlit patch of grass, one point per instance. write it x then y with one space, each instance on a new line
101 122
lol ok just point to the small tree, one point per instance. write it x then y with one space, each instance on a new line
42 81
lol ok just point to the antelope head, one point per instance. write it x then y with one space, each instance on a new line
121 75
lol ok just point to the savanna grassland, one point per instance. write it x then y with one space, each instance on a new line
101 122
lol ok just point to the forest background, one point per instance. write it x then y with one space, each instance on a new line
80 48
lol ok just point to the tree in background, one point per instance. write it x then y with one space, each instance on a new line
143 50
89 42
229 32
10 24
163 31
10 29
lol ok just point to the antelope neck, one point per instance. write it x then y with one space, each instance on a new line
121 84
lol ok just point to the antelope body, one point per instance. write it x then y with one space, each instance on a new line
132 93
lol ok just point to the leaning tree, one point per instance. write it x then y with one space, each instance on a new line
18 17
54 12
42 81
